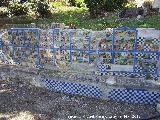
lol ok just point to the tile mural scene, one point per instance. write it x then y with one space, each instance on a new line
110 50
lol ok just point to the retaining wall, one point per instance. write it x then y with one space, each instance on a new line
112 64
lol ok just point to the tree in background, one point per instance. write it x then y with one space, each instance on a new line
113 5
77 3
97 7
94 7
4 3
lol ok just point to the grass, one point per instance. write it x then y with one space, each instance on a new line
80 18
149 22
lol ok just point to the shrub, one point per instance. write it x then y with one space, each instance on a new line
77 3
97 7
31 6
17 9
57 4
80 3
4 3
3 12
148 3
43 9
72 2
131 5
94 6
113 5
32 9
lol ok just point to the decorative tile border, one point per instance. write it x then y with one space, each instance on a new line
73 88
134 96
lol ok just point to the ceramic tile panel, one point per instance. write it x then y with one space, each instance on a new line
129 74
93 57
80 56
146 62
25 37
62 58
101 40
61 39
47 56
124 39
106 63
4 59
124 58
46 39
134 96
1 43
6 37
80 39
148 44
27 56
74 88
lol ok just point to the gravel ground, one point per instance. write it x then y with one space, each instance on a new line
19 101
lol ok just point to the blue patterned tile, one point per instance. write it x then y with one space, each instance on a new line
73 88
134 96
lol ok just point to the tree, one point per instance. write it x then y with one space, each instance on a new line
96 7
113 5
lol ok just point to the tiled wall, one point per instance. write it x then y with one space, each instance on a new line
110 50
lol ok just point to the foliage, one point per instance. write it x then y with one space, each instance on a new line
43 9
3 12
148 3
4 3
148 22
80 3
32 9
97 7
131 5
113 5
17 9
84 21
94 7
80 18
57 4
71 10
77 3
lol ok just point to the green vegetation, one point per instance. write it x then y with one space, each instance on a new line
43 9
98 7
149 22
3 12
83 21
16 9
77 3
79 16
